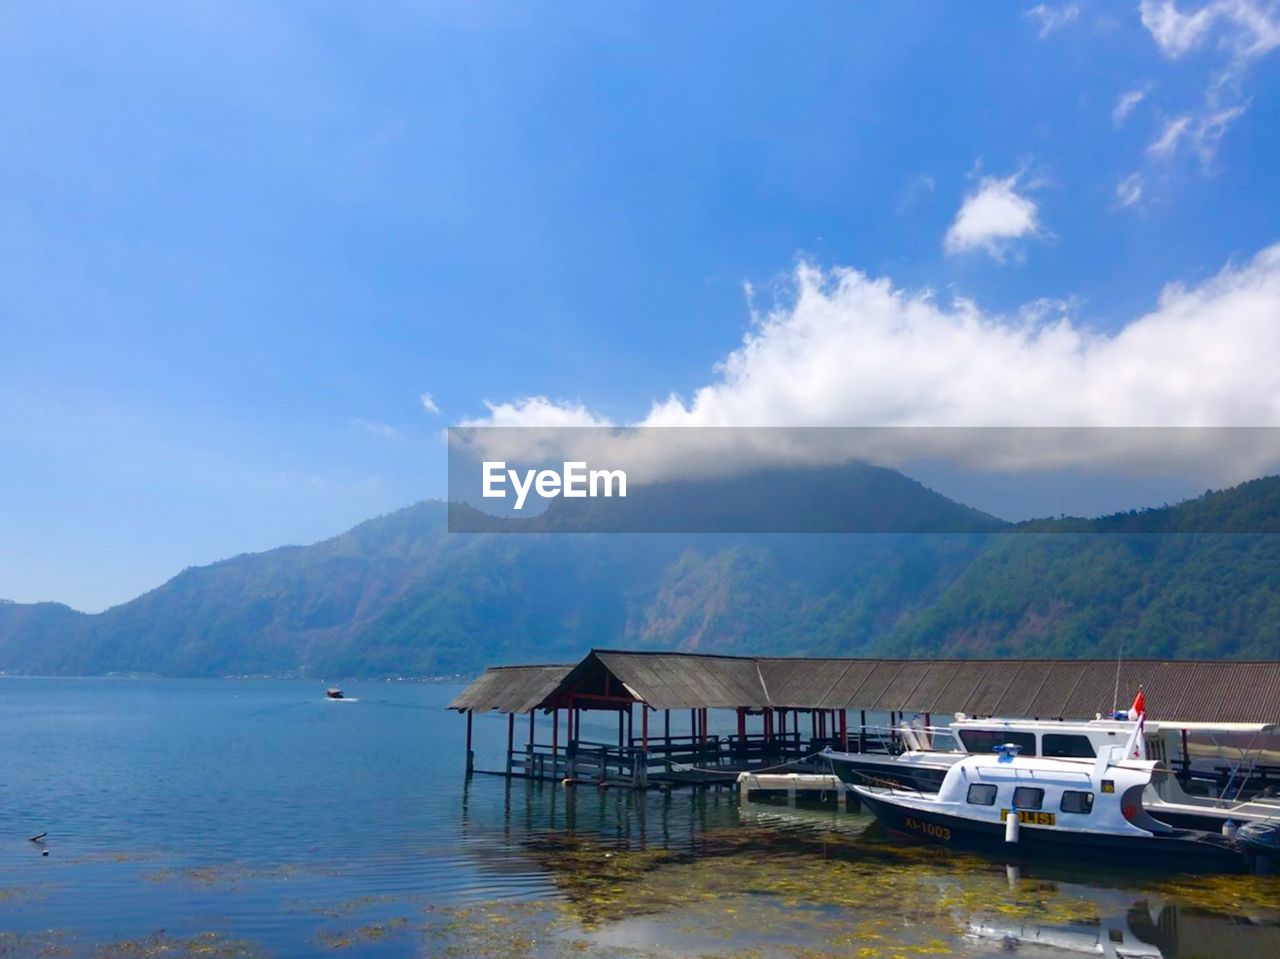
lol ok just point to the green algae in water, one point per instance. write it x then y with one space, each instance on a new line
371 932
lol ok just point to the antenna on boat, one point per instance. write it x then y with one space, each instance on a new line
1115 696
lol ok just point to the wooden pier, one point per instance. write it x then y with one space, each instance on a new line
785 711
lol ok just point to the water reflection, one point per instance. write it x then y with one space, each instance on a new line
698 872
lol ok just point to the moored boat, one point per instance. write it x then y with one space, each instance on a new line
930 753
333 692
1066 808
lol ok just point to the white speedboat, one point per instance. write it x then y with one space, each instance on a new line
930 753
1074 808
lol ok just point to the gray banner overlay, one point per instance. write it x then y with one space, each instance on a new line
864 480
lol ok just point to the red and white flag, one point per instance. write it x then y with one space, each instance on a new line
1139 707
1139 750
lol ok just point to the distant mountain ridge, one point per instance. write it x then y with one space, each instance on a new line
399 595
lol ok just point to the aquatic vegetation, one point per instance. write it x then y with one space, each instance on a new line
222 874
45 945
1228 895
358 903
372 932
207 945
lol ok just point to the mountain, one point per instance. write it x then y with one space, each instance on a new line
852 498
401 595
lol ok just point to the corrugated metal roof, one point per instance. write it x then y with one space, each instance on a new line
898 692
776 673
1026 689
928 692
844 694
990 688
510 689
1069 689
873 685
964 678
805 684
684 681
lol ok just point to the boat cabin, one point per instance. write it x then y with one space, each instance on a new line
1064 794
1053 740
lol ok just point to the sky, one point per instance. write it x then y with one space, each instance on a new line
258 256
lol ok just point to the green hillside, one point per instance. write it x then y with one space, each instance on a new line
400 595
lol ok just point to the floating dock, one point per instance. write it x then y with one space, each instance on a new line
796 788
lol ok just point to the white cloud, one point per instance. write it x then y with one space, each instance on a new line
1129 190
992 217
1173 132
1211 127
428 403
849 349
1126 104
1053 18
1247 28
855 350
537 411
1202 132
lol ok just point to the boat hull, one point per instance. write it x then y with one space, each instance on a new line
1191 853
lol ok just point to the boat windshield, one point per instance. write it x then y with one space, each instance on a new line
986 740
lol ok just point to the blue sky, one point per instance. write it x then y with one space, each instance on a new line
241 241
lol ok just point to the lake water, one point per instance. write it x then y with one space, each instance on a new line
255 818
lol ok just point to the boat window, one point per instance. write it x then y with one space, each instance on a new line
982 794
1065 746
986 740
1028 797
1076 801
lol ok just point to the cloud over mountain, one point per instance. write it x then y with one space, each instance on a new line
849 349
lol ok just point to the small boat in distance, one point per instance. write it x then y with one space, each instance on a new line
333 692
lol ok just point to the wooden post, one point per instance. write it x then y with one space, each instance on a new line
704 724
619 728
844 729
693 727
555 741
742 728
511 739
813 725
1186 755
470 755
644 727
631 723
666 727
570 715
862 730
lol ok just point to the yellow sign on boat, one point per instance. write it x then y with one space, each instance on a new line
1032 817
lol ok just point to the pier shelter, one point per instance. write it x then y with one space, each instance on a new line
608 719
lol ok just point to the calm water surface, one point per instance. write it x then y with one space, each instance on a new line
255 818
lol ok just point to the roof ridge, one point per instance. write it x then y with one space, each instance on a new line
764 687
